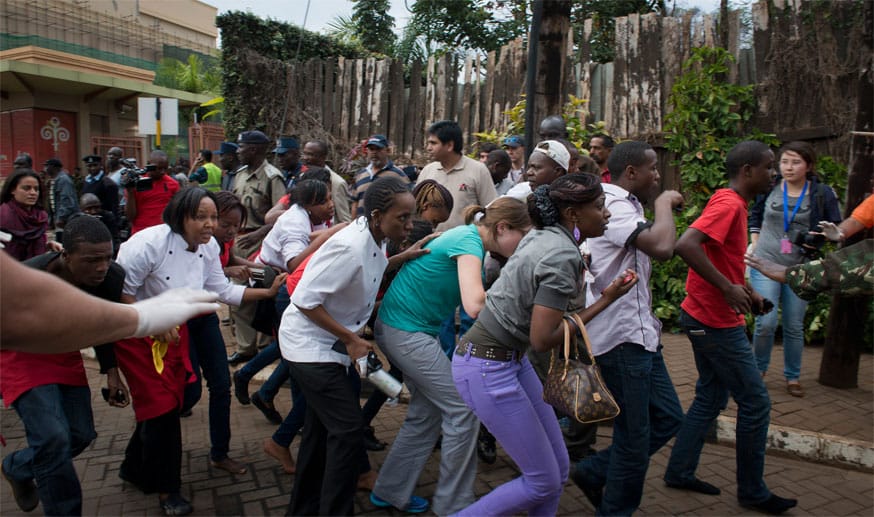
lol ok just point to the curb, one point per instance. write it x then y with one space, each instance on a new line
807 445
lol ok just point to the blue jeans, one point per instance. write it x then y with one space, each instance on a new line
793 309
448 336
508 398
264 358
726 366
651 415
58 422
208 358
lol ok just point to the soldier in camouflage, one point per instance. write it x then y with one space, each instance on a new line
848 271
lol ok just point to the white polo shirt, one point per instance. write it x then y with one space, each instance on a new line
343 276
157 259
630 318
288 237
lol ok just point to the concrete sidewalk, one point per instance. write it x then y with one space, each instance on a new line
265 489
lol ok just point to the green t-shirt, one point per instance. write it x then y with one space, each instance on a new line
426 290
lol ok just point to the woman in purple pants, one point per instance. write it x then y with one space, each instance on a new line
524 309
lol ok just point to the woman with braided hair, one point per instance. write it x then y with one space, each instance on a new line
524 309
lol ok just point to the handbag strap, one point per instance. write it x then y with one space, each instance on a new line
566 328
579 322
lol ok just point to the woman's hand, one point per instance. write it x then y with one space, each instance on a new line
115 385
277 283
170 337
55 246
357 347
240 273
619 287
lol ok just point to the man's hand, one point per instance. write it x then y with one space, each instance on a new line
277 283
115 385
738 298
770 269
357 347
672 197
252 238
240 273
830 231
621 285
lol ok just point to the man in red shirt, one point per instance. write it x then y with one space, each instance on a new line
146 200
712 316
50 391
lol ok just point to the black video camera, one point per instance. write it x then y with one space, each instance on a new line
808 242
133 177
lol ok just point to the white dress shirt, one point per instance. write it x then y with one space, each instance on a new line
343 276
288 237
629 319
157 259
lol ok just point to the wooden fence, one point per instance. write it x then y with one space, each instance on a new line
346 100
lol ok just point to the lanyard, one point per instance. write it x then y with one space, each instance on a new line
787 219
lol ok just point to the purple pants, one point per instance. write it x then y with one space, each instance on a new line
508 398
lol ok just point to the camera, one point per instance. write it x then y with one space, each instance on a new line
135 177
809 243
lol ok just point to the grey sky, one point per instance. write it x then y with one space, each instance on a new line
322 12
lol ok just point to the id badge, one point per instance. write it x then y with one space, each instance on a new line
785 245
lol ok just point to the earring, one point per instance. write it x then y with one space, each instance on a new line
576 233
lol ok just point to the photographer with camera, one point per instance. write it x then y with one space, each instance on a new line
779 225
148 191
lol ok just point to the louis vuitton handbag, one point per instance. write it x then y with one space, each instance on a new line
574 387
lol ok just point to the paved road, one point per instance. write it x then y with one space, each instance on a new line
264 490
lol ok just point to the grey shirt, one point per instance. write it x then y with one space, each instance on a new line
546 270
768 245
64 196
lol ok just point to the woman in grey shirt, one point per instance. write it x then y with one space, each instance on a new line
524 309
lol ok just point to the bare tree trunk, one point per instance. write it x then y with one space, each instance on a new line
840 356
552 60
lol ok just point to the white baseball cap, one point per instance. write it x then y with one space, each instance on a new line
555 150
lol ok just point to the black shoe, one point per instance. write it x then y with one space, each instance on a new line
24 492
175 504
267 408
774 505
593 494
125 476
241 389
237 358
695 485
485 446
371 443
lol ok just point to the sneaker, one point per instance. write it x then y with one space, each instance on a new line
266 408
175 504
24 492
241 388
593 493
416 505
371 443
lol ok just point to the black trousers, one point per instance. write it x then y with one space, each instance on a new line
329 460
153 458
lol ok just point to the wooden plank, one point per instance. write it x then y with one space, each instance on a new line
430 78
346 97
650 84
488 98
328 95
584 81
633 77
477 89
412 120
359 107
395 105
384 80
734 45
671 54
465 119
619 122
440 94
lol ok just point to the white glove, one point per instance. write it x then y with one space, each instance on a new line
174 307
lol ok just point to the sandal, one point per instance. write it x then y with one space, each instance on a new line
794 388
229 465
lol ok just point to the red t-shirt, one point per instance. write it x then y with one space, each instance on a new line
151 203
25 370
225 256
724 220
293 279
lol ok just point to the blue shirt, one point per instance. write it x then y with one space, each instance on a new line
426 290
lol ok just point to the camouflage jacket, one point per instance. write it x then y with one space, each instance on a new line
848 271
